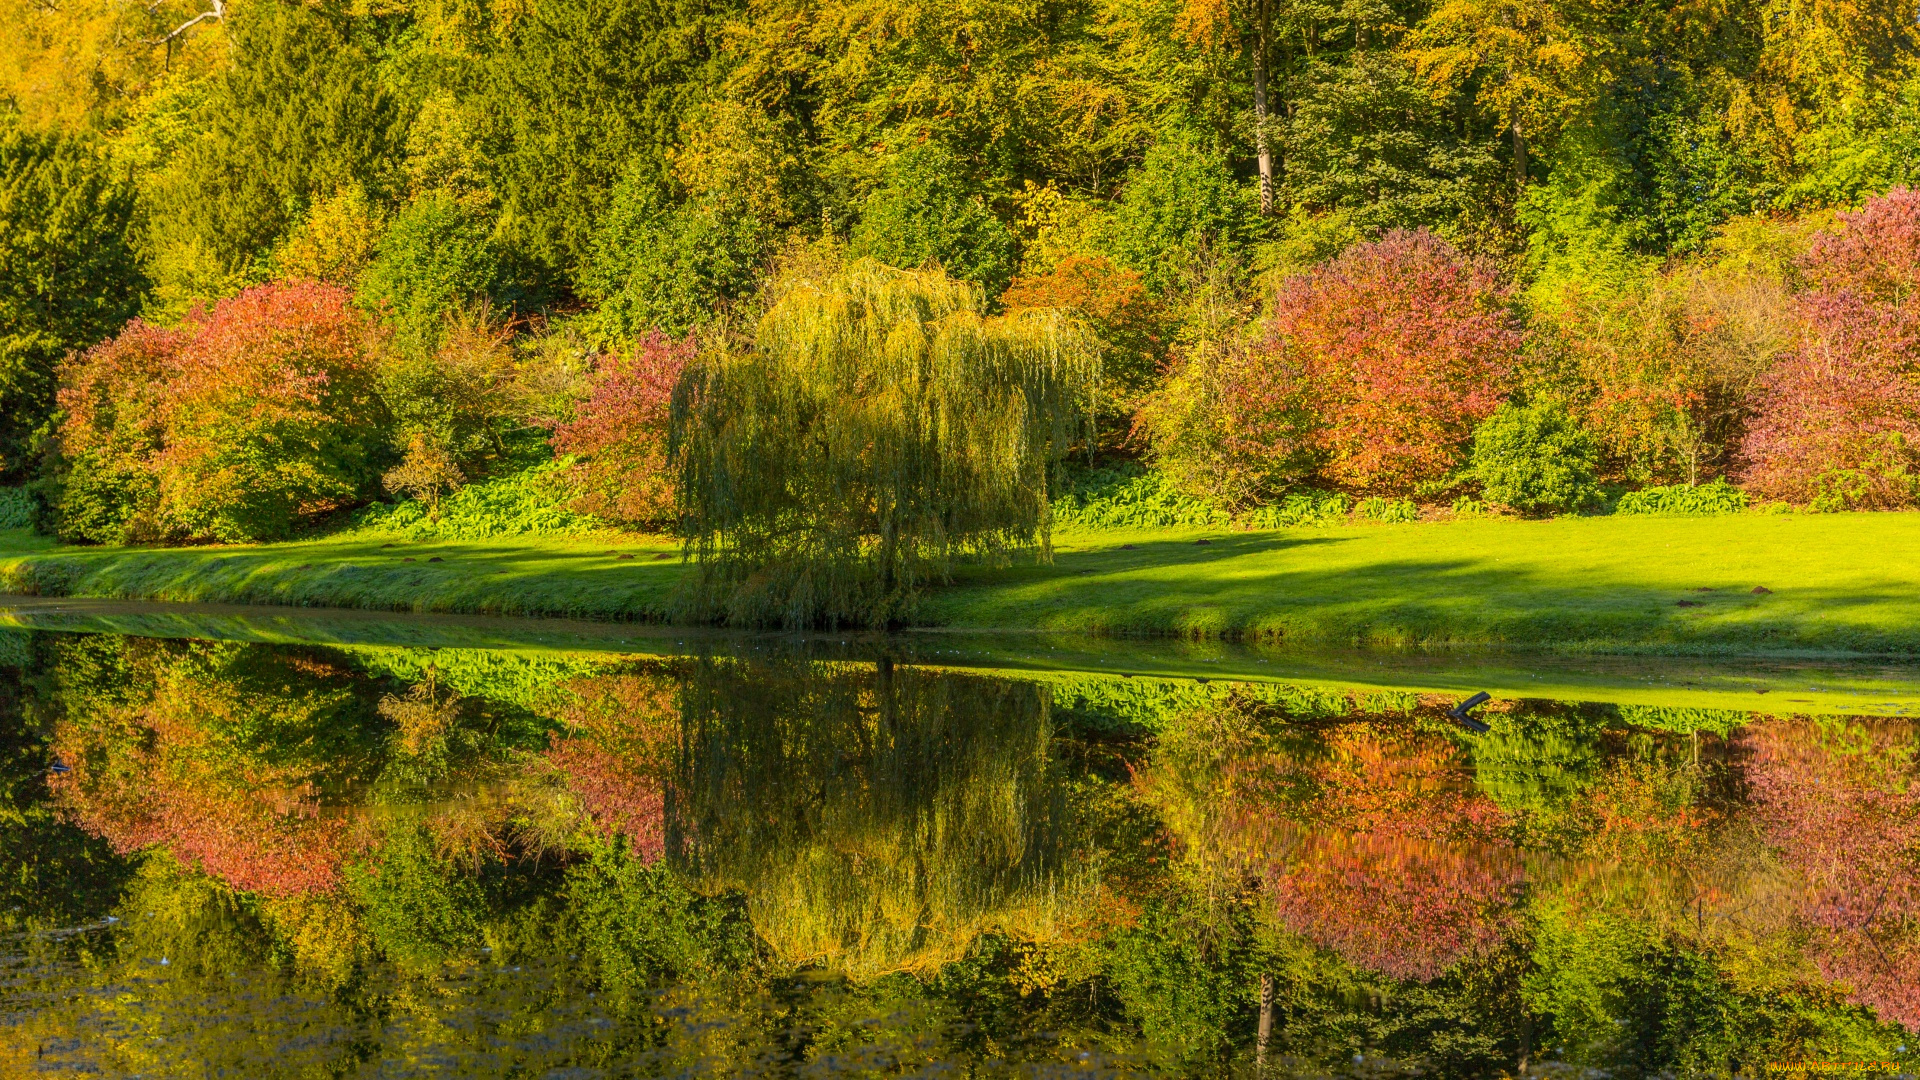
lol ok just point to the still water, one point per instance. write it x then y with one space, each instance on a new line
222 858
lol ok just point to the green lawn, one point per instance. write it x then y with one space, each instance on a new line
1841 583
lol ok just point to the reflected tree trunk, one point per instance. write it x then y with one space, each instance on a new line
1266 1024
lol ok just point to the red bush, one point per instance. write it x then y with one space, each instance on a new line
1379 363
236 425
1875 253
619 434
1838 423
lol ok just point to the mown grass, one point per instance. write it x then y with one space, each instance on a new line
1840 584
581 577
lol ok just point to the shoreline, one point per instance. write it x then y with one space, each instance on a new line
1842 586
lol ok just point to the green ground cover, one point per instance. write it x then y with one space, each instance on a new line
1105 672
1839 583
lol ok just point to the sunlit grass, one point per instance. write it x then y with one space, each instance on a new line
1838 583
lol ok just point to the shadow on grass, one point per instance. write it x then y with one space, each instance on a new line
1219 589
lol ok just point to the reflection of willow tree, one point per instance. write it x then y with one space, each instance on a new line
879 819
1840 801
220 753
1367 837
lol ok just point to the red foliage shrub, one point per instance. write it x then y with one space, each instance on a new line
1839 419
1838 423
1117 307
1875 252
619 434
236 425
1379 362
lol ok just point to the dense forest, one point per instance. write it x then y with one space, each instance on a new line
686 265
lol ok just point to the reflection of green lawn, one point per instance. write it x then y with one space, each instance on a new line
1843 582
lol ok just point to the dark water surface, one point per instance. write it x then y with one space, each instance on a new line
385 857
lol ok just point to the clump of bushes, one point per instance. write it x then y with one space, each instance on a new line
242 423
536 501
1718 497
1535 458
1373 371
1389 511
1127 496
1837 424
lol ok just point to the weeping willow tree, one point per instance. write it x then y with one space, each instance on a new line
880 426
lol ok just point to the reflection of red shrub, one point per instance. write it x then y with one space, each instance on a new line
620 434
616 761
218 753
1373 842
1841 804
1382 361
272 842
1392 903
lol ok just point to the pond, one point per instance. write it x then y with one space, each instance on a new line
428 849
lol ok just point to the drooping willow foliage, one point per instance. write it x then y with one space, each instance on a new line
880 425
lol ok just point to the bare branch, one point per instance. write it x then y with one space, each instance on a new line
218 13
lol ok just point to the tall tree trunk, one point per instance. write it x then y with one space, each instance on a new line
1260 51
1266 1024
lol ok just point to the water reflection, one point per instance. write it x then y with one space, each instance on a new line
374 860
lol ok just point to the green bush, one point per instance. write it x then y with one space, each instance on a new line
1381 508
1130 496
437 255
1535 458
1127 496
670 267
1682 500
1299 511
16 508
531 502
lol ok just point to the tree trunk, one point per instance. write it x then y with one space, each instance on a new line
1266 1024
1260 143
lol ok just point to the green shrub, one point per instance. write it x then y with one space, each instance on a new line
1127 496
1466 506
438 254
1718 497
16 508
1299 511
1130 496
1535 458
1381 508
531 502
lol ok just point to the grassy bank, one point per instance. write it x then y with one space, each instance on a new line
1842 583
